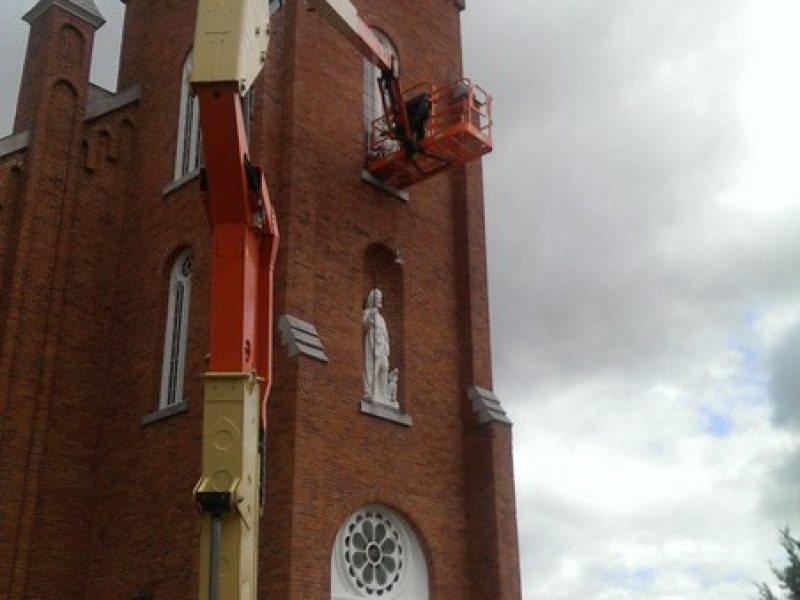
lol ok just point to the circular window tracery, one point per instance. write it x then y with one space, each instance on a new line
377 555
186 265
373 553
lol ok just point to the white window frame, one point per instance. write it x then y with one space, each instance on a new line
187 151
373 105
176 331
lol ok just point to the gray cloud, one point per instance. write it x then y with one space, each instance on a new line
785 383
609 149
617 254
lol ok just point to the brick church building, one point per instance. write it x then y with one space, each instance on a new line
104 315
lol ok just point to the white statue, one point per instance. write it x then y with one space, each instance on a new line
377 386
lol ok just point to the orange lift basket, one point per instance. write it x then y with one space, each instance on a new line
453 127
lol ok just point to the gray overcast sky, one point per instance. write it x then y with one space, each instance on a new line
642 207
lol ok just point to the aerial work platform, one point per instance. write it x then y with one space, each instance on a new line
448 125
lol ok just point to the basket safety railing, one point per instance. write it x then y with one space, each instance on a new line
456 108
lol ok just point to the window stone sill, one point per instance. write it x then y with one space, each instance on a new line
164 413
179 183
385 412
369 178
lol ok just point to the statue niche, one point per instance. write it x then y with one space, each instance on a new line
380 382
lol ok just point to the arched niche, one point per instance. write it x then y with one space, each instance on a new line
71 44
383 269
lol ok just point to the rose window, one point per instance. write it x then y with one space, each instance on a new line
373 553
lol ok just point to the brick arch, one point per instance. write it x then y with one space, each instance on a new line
12 180
127 132
392 499
61 119
98 147
11 209
64 83
170 257
106 148
71 45
381 29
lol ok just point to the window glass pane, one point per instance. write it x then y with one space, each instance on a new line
373 105
187 158
176 331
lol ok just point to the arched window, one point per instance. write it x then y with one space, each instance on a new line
187 154
373 106
377 555
172 371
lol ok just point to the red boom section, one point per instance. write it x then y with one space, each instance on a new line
244 241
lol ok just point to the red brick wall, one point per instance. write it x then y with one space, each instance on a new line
56 313
133 526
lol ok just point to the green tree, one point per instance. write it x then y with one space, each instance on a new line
789 575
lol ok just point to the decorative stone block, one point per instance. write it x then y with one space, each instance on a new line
487 407
301 337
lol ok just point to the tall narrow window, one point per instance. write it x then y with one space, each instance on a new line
373 106
180 286
187 157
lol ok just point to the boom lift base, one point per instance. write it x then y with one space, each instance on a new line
229 486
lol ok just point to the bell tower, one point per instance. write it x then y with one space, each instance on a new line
390 450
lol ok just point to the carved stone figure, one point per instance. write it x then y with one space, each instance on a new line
376 353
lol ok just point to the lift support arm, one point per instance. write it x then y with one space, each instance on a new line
230 46
343 17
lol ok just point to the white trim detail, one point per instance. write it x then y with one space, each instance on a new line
84 9
176 330
377 555
187 150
